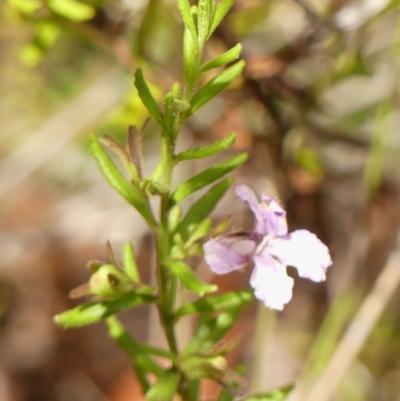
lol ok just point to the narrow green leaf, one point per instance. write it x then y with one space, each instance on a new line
224 58
165 387
204 19
112 144
205 151
93 312
190 57
189 279
184 8
215 86
72 9
200 231
203 207
130 265
142 361
174 217
210 329
222 9
148 99
216 303
207 177
119 182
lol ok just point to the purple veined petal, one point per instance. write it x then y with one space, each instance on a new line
269 215
246 194
274 216
270 282
304 251
225 255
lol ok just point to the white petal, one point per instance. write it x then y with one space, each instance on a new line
304 251
270 282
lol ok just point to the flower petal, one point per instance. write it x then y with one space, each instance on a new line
225 254
270 282
270 217
304 251
274 216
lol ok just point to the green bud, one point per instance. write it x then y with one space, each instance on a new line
110 282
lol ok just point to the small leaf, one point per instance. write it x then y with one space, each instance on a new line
174 217
130 265
148 99
224 58
215 86
93 312
199 231
222 9
190 57
119 182
72 9
189 279
205 151
204 206
142 361
204 18
184 8
165 387
112 144
135 148
210 329
207 177
216 303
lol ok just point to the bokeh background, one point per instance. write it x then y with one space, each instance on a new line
318 111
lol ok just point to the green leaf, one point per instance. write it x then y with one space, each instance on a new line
274 395
191 58
199 231
112 144
143 363
148 99
216 303
119 182
222 9
205 151
215 86
93 312
72 9
204 206
210 329
165 387
184 8
207 177
130 265
224 58
188 277
204 18
174 217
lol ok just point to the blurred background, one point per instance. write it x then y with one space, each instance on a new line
317 109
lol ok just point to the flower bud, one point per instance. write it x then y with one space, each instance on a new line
109 281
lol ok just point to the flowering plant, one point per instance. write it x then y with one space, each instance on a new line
115 287
271 248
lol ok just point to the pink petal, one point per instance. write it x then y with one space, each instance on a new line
304 251
270 282
270 217
225 254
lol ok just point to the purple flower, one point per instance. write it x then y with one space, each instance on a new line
271 249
